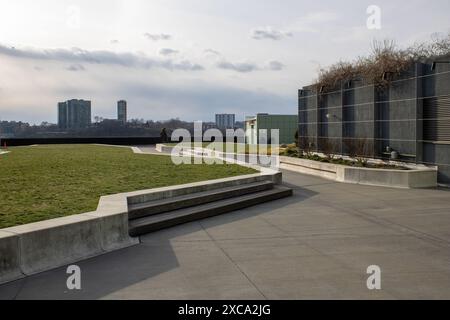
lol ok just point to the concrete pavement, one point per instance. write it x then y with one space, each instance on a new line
314 245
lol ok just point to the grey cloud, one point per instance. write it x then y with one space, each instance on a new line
250 67
269 33
238 67
275 65
157 37
167 51
76 67
78 56
187 65
212 51
114 41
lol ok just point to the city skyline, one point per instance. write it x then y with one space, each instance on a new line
165 59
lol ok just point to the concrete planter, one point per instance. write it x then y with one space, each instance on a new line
416 177
163 148
44 245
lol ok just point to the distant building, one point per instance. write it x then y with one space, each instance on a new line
286 124
122 111
225 121
208 125
62 115
409 114
239 125
74 114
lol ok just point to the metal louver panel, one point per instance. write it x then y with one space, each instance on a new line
437 110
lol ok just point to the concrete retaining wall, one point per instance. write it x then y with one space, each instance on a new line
9 257
163 148
316 168
424 178
44 245
416 177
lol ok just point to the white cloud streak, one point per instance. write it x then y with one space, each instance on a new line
269 33
157 37
77 55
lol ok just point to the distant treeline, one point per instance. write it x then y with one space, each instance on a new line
103 128
100 128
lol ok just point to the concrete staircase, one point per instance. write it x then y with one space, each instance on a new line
158 214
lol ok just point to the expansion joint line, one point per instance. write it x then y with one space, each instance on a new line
233 262
399 227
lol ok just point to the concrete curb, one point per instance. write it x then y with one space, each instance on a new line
416 177
163 148
44 245
236 158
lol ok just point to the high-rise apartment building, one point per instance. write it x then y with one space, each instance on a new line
122 111
225 121
74 114
62 115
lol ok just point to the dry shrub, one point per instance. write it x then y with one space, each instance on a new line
329 147
385 58
332 77
306 146
359 149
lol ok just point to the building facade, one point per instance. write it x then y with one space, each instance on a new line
410 114
62 115
74 114
225 121
286 124
122 111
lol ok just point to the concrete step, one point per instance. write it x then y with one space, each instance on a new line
164 220
137 211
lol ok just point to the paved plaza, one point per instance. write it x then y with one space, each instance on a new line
314 245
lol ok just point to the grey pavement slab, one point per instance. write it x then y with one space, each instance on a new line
314 245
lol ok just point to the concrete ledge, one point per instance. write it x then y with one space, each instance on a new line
423 178
52 243
44 245
163 148
9 257
316 168
418 176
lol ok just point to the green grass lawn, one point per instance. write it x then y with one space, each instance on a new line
45 182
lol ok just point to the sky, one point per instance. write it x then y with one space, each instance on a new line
188 59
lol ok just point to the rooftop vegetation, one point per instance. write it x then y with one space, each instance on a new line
386 61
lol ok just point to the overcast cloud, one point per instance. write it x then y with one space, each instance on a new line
126 59
269 33
187 59
157 37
